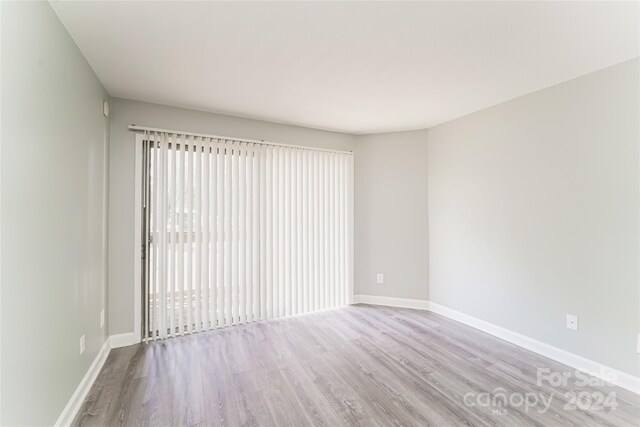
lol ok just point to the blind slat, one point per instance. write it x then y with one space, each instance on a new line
242 285
206 238
189 230
181 212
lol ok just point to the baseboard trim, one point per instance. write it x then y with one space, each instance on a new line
598 370
69 412
391 301
123 340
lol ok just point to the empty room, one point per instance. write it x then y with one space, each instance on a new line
319 213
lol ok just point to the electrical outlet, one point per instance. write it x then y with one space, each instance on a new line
82 345
572 322
102 318
380 278
638 345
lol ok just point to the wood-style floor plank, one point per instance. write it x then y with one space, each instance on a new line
355 366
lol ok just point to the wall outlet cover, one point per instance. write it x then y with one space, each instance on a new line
380 278
572 322
102 318
82 345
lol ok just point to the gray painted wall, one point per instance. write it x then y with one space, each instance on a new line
121 211
391 234
534 213
53 188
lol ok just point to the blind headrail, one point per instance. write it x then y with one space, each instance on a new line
137 128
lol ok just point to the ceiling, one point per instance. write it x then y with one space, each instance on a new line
356 67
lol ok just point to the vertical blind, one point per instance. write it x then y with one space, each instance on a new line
237 232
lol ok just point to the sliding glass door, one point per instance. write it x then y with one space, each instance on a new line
239 231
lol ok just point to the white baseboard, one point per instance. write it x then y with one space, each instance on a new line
69 412
598 370
123 340
114 341
391 301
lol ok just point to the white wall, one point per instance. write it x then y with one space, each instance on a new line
534 213
391 234
121 213
53 188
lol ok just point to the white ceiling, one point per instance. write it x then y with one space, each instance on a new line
351 66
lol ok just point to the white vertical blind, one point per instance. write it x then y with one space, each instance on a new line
240 231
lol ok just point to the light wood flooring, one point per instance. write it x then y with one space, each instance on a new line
355 366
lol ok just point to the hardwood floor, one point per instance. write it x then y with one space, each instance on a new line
360 365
